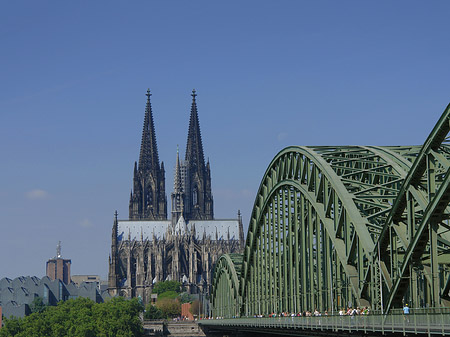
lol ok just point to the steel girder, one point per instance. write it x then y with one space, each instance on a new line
225 296
339 226
418 222
310 241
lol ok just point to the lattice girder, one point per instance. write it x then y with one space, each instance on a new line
333 226
225 286
351 235
421 212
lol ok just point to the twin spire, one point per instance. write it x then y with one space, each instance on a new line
148 199
194 146
148 157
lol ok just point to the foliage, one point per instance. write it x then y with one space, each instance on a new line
164 286
195 307
37 305
168 294
169 307
152 312
186 298
11 326
80 317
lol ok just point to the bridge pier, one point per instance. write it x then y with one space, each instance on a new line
161 328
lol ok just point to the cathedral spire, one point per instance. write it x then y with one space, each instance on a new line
194 146
197 184
148 157
148 200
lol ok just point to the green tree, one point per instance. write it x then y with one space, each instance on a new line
37 305
80 317
163 286
169 307
168 294
119 317
186 298
195 308
11 327
152 312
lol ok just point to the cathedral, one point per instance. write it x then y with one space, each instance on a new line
149 247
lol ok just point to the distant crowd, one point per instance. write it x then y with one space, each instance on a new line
349 312
316 313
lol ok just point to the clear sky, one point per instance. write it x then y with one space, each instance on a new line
73 77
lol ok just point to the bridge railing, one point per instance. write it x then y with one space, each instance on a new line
421 323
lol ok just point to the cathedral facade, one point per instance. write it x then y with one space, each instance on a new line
149 247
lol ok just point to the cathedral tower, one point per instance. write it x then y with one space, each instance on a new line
197 189
149 248
148 198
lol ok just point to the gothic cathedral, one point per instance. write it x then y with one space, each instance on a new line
148 247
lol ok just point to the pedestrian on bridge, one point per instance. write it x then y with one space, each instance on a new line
406 312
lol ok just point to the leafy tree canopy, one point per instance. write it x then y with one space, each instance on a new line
195 308
169 307
152 312
168 294
186 298
80 317
164 286
37 305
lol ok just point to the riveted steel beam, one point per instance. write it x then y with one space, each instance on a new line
334 226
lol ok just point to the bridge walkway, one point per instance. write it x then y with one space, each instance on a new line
417 324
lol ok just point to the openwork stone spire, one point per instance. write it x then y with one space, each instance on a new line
149 248
198 196
148 157
194 146
148 198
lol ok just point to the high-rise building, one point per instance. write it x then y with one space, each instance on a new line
148 247
59 268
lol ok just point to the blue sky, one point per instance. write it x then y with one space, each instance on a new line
268 74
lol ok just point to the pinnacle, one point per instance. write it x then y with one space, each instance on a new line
177 179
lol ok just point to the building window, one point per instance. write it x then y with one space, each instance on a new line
149 196
194 197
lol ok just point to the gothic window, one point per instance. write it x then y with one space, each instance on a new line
149 196
194 196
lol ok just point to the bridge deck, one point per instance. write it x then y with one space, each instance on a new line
430 324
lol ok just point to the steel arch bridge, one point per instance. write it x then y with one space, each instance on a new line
225 285
338 226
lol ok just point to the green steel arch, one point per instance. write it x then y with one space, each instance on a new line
316 218
418 222
350 225
225 298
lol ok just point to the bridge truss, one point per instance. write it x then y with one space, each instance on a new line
338 226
